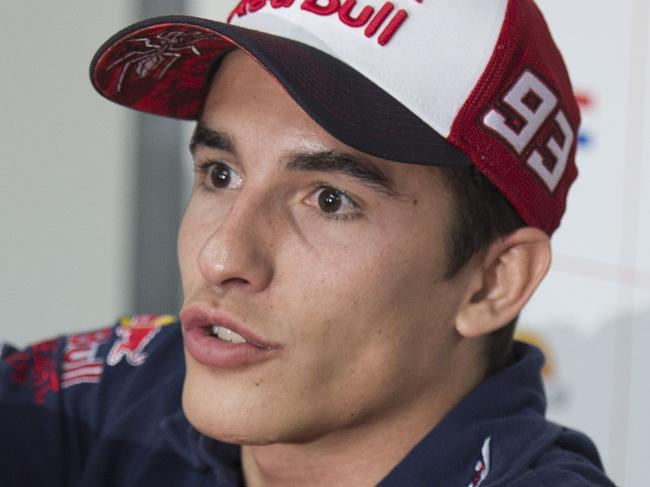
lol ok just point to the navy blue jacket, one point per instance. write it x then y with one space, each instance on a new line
103 409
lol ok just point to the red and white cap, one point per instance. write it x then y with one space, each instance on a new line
434 82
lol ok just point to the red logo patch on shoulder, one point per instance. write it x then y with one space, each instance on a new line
44 375
40 359
134 334
80 361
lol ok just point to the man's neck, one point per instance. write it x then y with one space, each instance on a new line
351 458
361 455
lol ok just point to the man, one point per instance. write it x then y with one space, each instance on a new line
375 189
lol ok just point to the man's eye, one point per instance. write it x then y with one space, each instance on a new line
330 200
219 175
334 203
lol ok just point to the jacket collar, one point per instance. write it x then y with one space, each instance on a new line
203 453
495 432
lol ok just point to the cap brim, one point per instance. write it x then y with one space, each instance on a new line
162 66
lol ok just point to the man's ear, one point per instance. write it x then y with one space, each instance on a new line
503 280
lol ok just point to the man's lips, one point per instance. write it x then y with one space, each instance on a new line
198 318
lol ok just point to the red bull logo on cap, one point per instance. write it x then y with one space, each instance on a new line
374 20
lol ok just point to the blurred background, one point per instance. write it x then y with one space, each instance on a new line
91 195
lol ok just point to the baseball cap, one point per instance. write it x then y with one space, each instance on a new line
434 82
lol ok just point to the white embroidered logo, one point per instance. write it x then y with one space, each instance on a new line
482 468
533 102
159 53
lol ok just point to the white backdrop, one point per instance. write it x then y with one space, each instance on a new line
592 313
65 160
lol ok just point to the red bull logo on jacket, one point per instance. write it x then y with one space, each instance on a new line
134 334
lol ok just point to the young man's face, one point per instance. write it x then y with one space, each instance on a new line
329 261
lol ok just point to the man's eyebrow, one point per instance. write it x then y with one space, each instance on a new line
357 167
215 139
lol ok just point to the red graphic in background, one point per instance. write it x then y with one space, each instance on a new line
587 102
585 99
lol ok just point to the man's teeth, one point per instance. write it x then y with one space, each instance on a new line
227 335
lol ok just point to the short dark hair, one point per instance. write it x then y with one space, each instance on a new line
481 215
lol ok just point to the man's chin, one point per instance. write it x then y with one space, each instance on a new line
233 418
222 425
258 426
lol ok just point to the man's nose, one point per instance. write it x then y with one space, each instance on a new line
237 254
